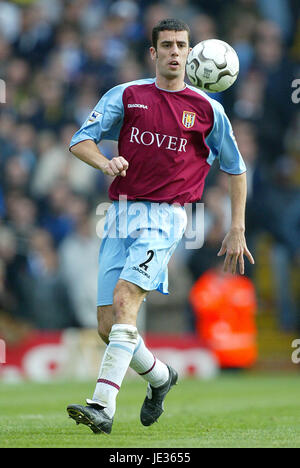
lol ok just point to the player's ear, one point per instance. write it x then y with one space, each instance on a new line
153 53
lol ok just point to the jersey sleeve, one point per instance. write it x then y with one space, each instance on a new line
105 121
222 143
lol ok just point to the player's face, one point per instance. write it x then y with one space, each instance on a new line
171 54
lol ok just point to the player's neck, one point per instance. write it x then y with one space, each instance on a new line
170 85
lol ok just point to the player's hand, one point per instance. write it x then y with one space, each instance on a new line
116 167
234 246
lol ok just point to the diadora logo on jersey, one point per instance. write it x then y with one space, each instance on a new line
188 119
94 115
139 106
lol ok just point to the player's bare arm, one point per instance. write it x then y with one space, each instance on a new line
234 244
88 152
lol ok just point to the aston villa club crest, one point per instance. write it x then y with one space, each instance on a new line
188 119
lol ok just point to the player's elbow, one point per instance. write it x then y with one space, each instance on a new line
77 151
76 148
81 148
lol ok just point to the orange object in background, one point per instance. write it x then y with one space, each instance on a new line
225 307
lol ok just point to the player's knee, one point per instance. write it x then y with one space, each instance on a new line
123 332
124 312
127 299
119 300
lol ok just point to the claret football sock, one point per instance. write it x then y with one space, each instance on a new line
148 366
115 362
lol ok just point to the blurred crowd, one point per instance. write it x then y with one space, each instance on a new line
57 58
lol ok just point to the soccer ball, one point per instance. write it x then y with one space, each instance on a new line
212 65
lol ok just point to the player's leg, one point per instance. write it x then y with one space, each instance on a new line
149 367
159 376
122 340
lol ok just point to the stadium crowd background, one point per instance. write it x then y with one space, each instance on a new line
57 59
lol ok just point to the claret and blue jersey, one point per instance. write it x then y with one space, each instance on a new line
169 138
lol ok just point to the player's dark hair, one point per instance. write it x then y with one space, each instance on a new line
168 24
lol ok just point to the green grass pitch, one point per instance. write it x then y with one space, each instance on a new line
232 410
